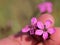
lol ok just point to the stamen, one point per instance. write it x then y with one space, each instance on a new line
45 29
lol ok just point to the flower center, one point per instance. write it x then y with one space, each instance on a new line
45 29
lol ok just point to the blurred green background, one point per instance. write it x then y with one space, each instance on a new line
15 14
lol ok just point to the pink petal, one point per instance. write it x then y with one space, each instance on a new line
25 29
33 21
51 30
45 35
48 23
49 9
42 8
49 6
39 32
40 25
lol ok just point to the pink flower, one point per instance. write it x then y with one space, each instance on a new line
31 27
43 7
44 29
48 6
39 28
